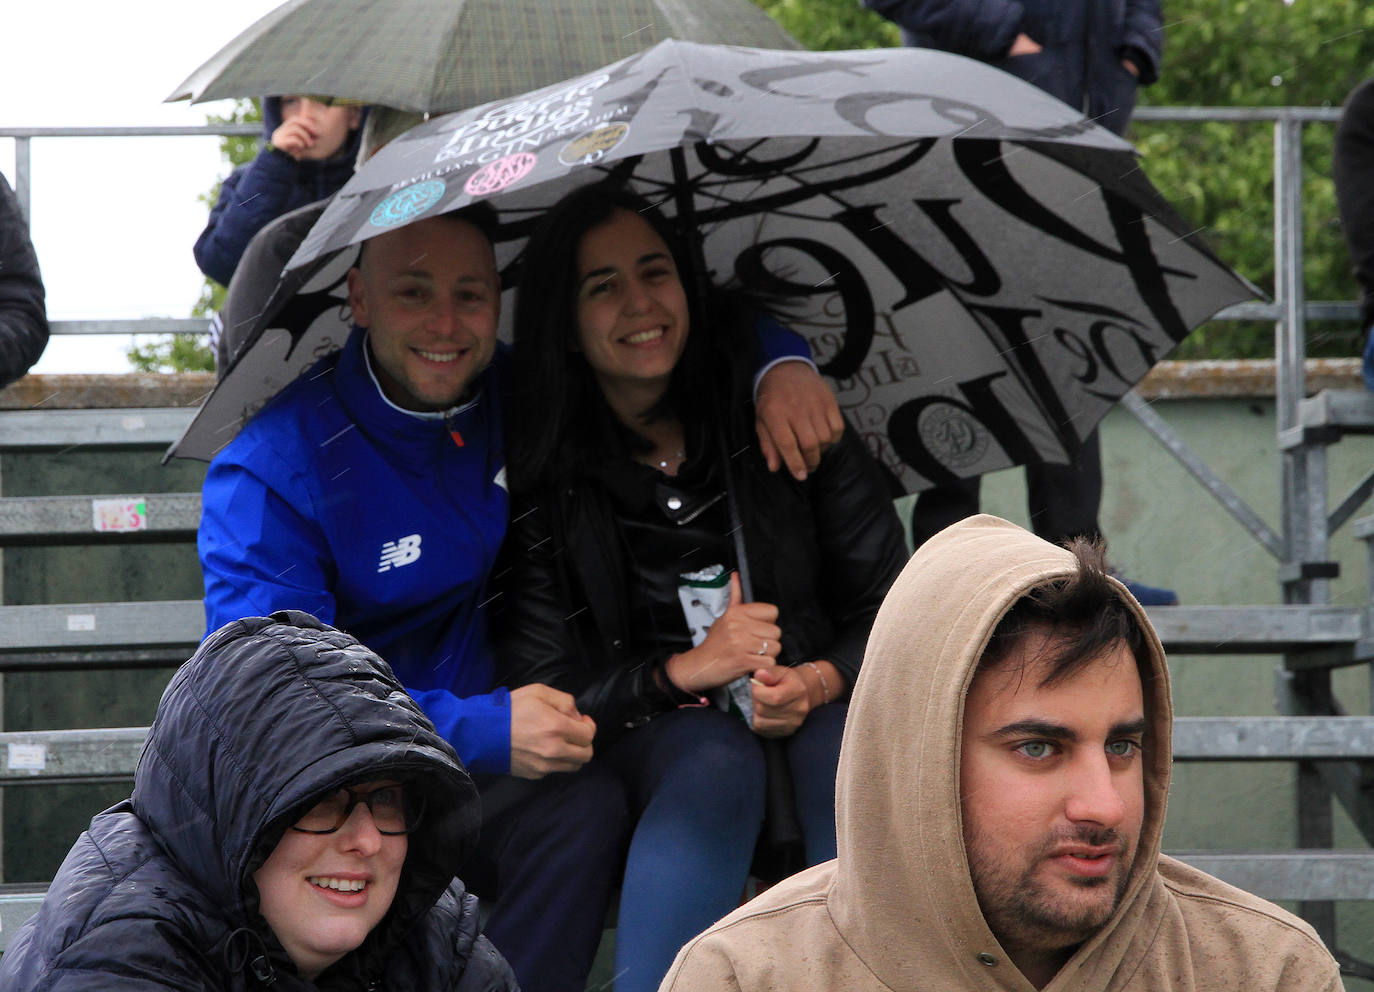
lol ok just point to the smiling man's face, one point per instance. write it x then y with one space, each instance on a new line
430 298
1052 789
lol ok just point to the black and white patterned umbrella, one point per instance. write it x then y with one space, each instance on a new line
982 272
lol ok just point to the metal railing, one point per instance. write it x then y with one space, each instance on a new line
1289 307
23 189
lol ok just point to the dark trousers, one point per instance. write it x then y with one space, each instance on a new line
1063 500
549 856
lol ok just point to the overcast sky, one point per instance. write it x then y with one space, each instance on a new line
113 218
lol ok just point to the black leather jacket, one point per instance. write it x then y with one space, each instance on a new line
824 552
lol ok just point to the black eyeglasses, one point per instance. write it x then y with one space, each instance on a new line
395 809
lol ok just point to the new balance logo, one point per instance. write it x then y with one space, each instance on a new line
399 552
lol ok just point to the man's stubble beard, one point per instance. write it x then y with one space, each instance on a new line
1024 912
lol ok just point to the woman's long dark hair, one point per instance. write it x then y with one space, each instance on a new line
558 421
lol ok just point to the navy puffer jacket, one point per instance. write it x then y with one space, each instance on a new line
258 193
269 716
23 315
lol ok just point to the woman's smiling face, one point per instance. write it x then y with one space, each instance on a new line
323 893
632 319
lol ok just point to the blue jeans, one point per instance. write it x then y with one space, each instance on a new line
695 780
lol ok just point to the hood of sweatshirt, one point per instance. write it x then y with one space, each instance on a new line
902 897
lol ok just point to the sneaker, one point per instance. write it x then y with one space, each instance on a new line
1148 595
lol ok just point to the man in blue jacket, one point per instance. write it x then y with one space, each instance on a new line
1092 54
371 493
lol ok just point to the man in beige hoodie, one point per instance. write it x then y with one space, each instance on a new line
1001 798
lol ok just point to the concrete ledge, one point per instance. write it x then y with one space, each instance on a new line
85 392
1166 381
1252 378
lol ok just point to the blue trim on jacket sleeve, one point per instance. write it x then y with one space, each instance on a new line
478 727
777 342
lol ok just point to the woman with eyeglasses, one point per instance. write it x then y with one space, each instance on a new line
296 823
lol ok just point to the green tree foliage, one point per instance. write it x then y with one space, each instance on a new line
1218 53
192 352
1258 53
830 25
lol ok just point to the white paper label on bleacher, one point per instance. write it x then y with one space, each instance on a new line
28 757
134 423
80 621
123 513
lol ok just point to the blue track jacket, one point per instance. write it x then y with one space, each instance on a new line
336 502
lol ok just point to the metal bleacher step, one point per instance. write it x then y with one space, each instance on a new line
1328 416
1272 738
100 635
28 430
108 754
1258 629
177 625
30 520
1291 875
44 756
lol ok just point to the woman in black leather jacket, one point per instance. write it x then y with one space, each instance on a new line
295 823
630 440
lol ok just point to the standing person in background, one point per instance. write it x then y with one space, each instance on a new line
1352 168
23 316
1092 54
310 144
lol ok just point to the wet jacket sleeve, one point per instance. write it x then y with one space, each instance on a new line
23 315
863 546
253 195
862 550
169 961
1144 36
982 29
535 643
262 550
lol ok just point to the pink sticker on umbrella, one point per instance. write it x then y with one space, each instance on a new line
496 176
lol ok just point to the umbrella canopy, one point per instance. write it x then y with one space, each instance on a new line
443 55
982 272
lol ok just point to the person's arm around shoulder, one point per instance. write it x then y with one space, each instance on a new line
796 415
23 314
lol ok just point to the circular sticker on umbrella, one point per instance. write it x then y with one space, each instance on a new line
951 435
408 203
590 146
496 176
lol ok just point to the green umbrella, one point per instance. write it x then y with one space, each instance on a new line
442 55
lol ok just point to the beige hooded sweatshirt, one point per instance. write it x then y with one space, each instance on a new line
897 910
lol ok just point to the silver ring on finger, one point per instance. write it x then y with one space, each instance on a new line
764 649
